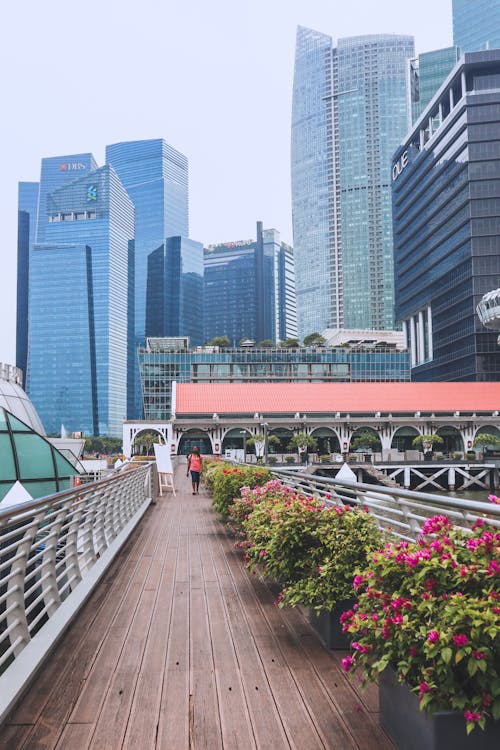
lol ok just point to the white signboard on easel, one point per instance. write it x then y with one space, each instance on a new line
163 459
164 466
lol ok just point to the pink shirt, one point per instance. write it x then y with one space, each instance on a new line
195 463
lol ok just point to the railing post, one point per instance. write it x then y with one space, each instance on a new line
17 621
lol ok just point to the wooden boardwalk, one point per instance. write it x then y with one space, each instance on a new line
180 648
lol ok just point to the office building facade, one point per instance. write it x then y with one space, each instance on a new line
249 289
164 361
446 205
476 24
80 312
174 298
349 112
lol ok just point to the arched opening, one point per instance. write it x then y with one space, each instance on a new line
327 439
452 440
284 436
235 439
192 438
403 438
365 440
144 440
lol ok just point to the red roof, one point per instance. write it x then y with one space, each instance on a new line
314 398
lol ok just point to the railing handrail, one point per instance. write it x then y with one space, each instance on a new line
428 498
53 552
63 494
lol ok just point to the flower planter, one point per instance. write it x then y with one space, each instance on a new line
412 729
328 627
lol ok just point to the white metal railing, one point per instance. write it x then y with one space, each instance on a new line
53 552
399 512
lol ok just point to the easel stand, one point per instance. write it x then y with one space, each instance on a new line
166 482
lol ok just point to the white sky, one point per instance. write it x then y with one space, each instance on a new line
212 77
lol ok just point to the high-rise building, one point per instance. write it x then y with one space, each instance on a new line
155 175
249 289
476 24
26 230
349 112
174 300
446 205
426 74
80 293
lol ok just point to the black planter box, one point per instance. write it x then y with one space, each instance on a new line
412 729
328 627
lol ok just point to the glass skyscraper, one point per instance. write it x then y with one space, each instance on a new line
427 72
476 24
349 113
249 289
446 202
26 230
79 309
174 300
155 176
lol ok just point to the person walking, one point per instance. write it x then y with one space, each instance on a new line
195 465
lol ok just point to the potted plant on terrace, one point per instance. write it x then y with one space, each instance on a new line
427 442
485 441
302 443
428 625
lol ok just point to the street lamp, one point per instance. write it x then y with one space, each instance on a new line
265 425
244 433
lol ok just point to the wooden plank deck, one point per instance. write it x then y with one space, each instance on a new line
180 648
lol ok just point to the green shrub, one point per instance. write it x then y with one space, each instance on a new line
312 550
289 459
228 481
272 460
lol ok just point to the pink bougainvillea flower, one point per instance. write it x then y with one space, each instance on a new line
433 636
460 639
347 663
472 716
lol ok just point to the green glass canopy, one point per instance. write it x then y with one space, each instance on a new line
29 458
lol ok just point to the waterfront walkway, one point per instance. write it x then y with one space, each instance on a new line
180 648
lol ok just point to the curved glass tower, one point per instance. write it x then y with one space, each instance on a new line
349 113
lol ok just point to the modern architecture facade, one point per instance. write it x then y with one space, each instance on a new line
174 298
446 205
476 24
80 312
164 361
426 74
155 175
249 289
349 113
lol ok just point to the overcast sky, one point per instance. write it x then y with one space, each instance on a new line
212 77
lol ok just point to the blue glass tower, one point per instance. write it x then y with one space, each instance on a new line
26 229
476 24
80 292
155 176
174 300
349 113
249 289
